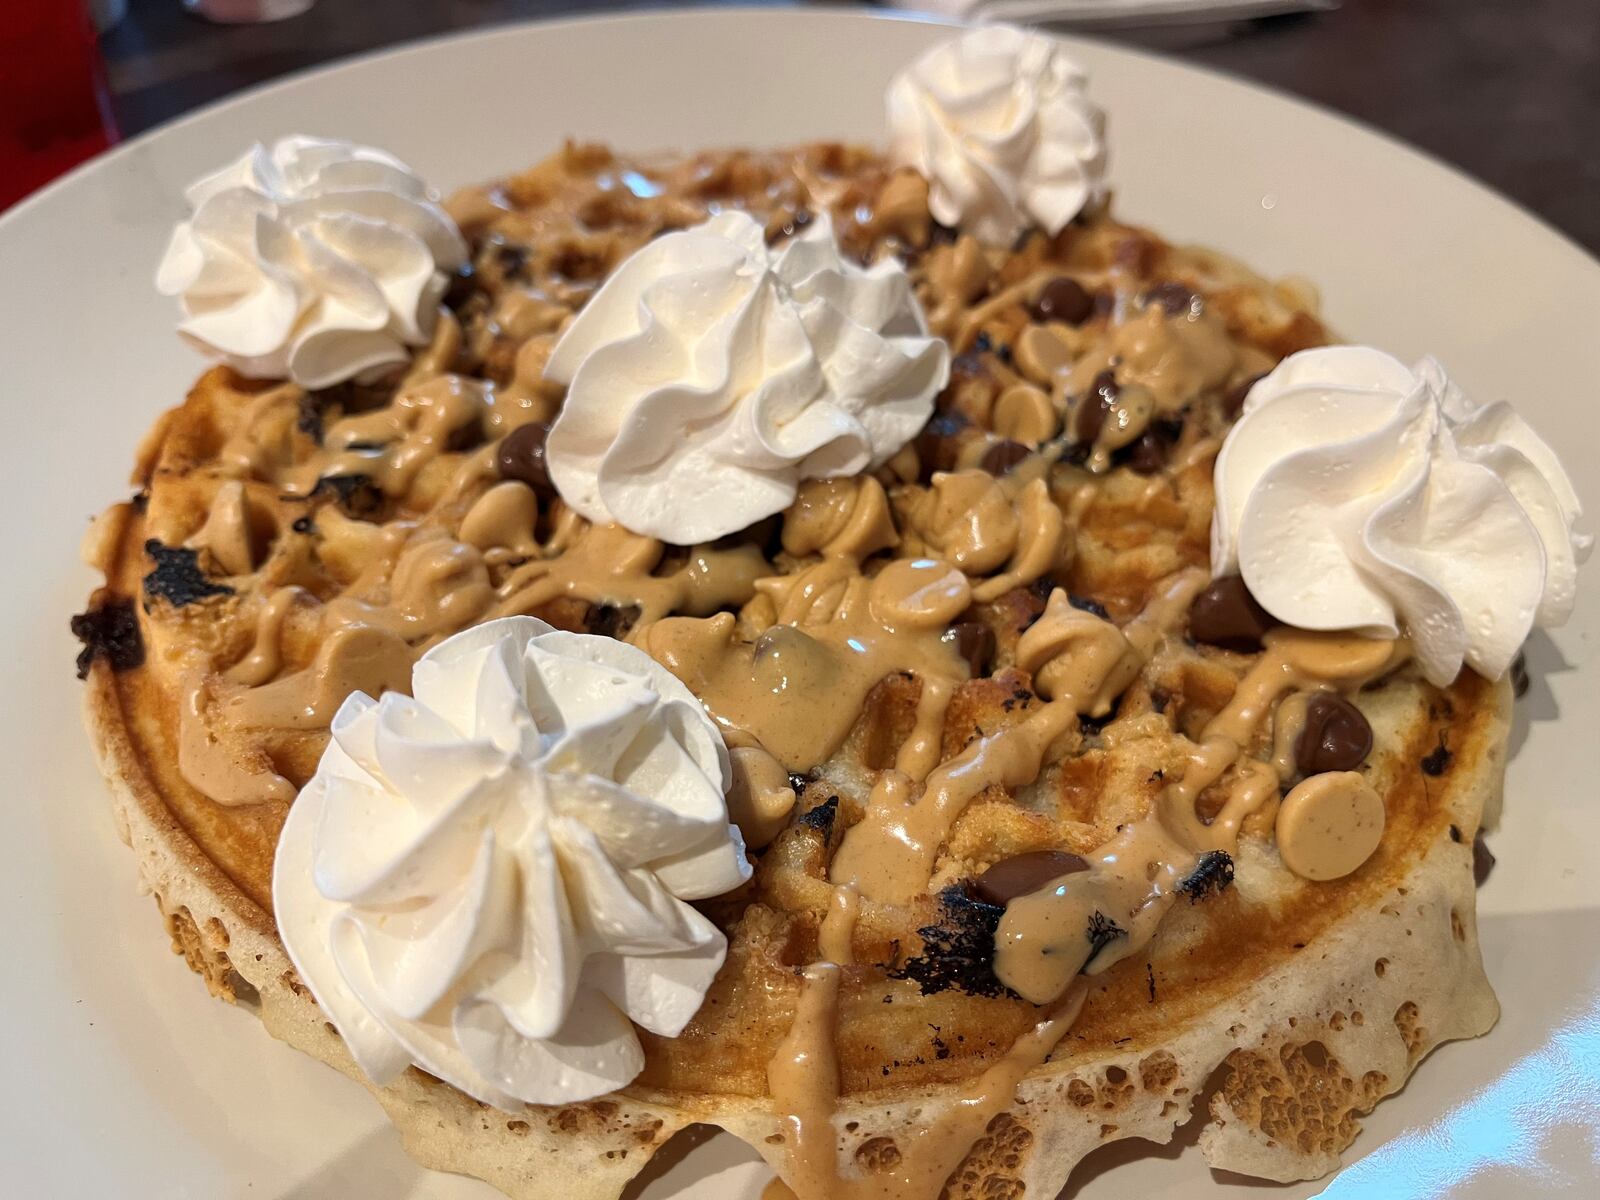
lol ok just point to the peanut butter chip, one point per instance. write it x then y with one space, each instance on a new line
918 593
1329 824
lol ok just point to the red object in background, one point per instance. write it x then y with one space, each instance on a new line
54 110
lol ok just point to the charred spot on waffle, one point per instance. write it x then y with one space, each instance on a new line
1101 932
958 952
109 631
611 620
1438 760
177 577
822 816
797 782
357 495
1211 874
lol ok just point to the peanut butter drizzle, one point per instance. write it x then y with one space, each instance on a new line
799 691
979 523
607 564
266 654
1048 936
232 534
213 766
889 855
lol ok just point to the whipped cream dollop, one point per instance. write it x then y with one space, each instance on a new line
998 122
711 374
489 879
313 260
1358 493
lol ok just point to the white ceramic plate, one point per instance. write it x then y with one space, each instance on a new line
122 1079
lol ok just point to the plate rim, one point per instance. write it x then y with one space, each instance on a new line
852 12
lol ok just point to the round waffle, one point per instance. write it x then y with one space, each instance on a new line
287 547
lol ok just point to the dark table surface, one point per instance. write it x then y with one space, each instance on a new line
1508 90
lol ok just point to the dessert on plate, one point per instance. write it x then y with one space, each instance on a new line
859 647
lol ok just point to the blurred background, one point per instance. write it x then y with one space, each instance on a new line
1507 90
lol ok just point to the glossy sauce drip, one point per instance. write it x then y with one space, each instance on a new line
799 687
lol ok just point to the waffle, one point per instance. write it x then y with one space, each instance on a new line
1275 1010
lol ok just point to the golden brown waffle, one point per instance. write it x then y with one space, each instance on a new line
1288 1008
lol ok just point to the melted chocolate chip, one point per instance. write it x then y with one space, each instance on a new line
177 577
975 642
1024 873
109 632
1482 860
1147 455
958 952
1212 873
938 445
1094 407
999 458
610 620
520 456
1063 299
511 259
1227 615
1172 296
1233 399
1336 736
463 287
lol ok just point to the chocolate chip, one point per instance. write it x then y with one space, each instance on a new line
1227 615
611 620
177 577
1024 873
1482 860
1147 455
521 456
1233 399
973 641
1172 296
999 458
938 445
1089 605
109 632
1094 407
511 259
1063 299
1336 736
463 287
